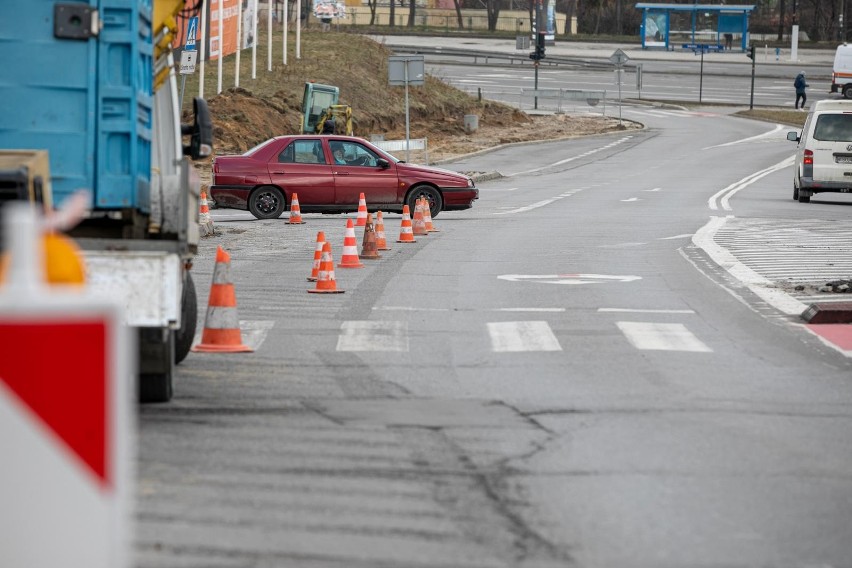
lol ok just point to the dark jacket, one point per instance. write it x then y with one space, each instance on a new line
800 84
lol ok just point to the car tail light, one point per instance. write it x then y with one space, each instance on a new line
808 158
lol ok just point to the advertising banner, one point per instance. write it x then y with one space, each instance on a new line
656 28
328 9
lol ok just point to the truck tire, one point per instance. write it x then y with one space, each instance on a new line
156 364
804 197
188 319
847 91
267 202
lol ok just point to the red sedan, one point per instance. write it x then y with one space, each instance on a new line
329 173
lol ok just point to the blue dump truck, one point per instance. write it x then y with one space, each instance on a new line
94 84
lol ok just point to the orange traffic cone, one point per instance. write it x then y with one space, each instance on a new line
419 225
221 325
369 248
326 284
204 220
406 235
381 240
295 211
350 248
317 257
361 220
427 217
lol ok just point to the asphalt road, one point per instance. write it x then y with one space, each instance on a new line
568 374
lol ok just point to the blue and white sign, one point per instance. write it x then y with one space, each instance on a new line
191 34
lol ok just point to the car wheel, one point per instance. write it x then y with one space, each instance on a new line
436 203
267 202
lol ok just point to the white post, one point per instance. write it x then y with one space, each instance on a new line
221 50
286 20
26 264
239 42
205 41
794 44
269 34
298 29
407 135
254 44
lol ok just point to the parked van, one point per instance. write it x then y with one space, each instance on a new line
824 151
841 75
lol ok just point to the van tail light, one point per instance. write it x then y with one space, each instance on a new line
808 158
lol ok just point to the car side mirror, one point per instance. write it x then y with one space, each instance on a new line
200 132
793 136
382 163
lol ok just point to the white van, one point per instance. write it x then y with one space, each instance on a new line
841 75
824 151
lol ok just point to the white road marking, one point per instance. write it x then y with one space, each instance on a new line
729 191
655 189
515 336
572 158
744 140
661 336
630 199
567 278
530 309
373 336
409 309
683 236
760 285
641 311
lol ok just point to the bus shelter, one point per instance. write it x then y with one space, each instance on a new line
715 27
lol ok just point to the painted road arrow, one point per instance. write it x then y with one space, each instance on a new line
567 278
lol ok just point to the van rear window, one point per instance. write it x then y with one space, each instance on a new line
833 128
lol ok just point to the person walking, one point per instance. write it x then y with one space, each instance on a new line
801 85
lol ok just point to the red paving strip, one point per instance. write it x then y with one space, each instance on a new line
838 335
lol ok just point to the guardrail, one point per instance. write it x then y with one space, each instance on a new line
503 58
545 96
395 146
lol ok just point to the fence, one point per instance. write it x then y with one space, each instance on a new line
547 98
398 146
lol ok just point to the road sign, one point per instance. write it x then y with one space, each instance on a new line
619 58
406 70
65 417
191 34
187 62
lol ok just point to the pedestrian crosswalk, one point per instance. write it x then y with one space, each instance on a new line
518 336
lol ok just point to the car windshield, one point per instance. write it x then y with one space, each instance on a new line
834 128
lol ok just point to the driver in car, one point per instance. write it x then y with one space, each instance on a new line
338 155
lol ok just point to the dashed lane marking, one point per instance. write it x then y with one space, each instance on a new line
661 337
515 336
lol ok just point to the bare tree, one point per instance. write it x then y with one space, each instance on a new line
570 12
412 6
371 4
459 14
492 8
392 22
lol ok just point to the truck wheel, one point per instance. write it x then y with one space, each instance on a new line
156 364
432 196
804 197
795 192
847 91
188 318
267 202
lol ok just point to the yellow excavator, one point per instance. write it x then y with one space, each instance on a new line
322 113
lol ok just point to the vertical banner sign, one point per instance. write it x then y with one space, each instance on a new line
229 38
66 446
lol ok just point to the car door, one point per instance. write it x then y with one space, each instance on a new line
362 174
301 167
832 147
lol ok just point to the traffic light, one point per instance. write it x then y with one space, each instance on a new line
750 52
539 47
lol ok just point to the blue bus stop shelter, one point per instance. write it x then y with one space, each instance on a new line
714 27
